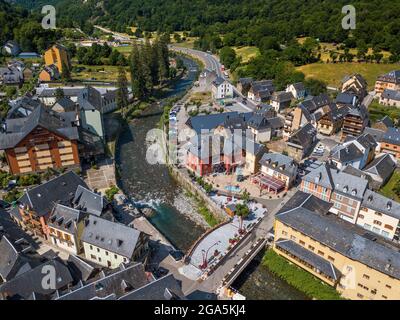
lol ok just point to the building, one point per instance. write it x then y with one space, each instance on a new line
355 84
37 204
221 89
314 103
342 255
332 120
346 99
380 215
110 244
29 284
389 81
263 129
206 78
244 85
260 91
11 76
278 173
355 122
380 170
90 105
66 226
345 191
390 98
302 142
281 100
12 48
297 90
357 152
390 142
65 104
40 141
49 73
383 124
296 119
57 55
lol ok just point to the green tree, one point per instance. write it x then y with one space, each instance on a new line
59 93
122 91
66 74
227 56
242 211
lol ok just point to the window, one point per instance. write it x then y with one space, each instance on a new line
106 253
331 259
338 205
293 238
302 243
384 297
367 226
360 216
359 295
365 276
311 248
93 257
98 250
377 222
389 227
339 197
91 247
99 259
284 233
321 253
385 234
376 230
378 214
389 287
115 256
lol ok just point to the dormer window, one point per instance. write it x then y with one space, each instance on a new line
346 189
389 206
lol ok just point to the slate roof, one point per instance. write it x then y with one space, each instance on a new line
391 95
380 203
382 166
282 96
165 288
218 81
17 130
10 259
68 92
28 283
66 103
310 257
89 201
375 133
303 137
321 175
347 153
118 282
392 77
299 86
392 136
22 107
111 236
58 190
280 163
345 98
316 102
208 122
65 218
387 121
90 99
80 269
348 239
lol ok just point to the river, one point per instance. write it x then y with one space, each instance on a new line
152 185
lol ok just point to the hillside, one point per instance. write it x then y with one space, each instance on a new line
248 21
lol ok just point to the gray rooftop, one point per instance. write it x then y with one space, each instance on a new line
279 163
343 237
392 136
380 203
111 236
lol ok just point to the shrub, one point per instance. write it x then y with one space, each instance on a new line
110 193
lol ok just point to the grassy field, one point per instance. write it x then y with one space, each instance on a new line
99 73
299 278
124 50
333 73
387 190
378 111
247 53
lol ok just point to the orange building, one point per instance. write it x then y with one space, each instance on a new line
389 81
57 55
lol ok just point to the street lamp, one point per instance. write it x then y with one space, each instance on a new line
205 255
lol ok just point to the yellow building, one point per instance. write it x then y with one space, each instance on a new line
57 55
361 266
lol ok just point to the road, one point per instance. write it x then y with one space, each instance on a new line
211 62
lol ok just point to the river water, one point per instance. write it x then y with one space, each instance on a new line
152 185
